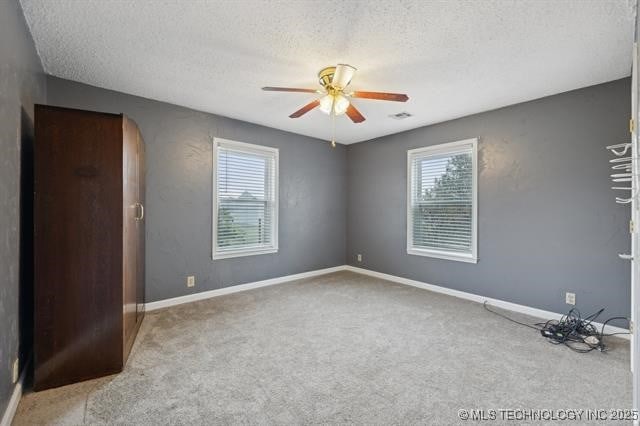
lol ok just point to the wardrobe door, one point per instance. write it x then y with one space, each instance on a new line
131 214
77 246
140 292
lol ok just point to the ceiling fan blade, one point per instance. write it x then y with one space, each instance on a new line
289 89
354 114
396 97
305 109
342 76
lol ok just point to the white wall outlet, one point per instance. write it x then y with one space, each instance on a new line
359 258
15 371
570 298
191 281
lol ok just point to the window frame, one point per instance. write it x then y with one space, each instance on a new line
248 148
440 149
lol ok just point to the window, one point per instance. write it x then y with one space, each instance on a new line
442 201
245 199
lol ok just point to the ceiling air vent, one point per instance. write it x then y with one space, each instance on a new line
400 115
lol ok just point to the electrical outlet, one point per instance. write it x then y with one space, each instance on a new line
359 258
191 281
570 298
15 371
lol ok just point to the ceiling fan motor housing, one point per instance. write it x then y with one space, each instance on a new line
326 75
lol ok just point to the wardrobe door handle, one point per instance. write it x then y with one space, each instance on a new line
141 211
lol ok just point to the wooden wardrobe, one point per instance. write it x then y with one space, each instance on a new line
88 243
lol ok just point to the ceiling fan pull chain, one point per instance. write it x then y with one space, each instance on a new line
333 132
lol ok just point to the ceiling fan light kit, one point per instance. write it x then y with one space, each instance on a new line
335 101
336 104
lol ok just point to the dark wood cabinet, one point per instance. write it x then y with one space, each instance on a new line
88 243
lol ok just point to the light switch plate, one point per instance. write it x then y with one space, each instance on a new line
191 281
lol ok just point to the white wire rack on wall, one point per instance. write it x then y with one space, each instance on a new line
623 175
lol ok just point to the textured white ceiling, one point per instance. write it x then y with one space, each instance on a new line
452 58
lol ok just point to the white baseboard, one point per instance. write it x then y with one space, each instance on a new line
10 411
527 310
152 306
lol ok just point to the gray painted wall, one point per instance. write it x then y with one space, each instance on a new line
312 215
22 83
548 221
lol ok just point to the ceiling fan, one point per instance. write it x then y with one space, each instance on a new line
334 81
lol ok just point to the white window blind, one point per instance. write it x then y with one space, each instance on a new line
245 199
442 201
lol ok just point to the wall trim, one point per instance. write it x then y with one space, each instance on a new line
522 309
160 304
14 401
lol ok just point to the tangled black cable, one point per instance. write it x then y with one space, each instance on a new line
577 333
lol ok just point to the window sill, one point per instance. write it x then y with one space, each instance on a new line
243 253
443 255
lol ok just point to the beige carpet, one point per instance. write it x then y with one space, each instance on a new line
341 348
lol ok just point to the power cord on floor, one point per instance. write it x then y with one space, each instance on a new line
577 333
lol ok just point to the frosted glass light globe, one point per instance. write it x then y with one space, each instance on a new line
341 104
326 103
